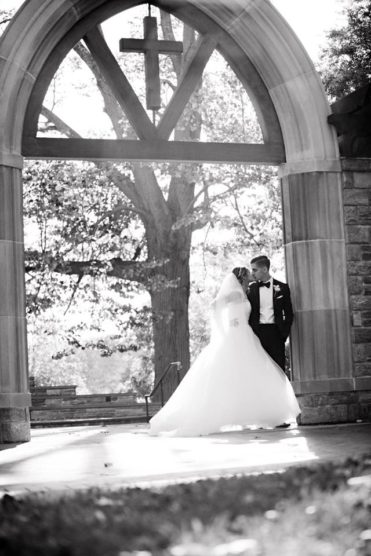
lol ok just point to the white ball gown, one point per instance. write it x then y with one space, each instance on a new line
232 382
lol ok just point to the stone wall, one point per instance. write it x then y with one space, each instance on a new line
357 217
350 400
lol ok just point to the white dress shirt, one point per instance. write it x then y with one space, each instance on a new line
266 304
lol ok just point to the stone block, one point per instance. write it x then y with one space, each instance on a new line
14 425
327 399
324 414
363 384
362 353
360 303
354 412
356 197
357 318
363 215
351 165
354 252
347 180
366 318
355 285
357 234
359 268
351 215
365 412
364 396
362 180
361 335
313 207
362 369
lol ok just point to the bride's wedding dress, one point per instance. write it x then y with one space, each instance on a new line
232 382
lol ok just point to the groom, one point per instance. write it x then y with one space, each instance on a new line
271 310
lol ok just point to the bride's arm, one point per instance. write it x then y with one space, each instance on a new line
232 297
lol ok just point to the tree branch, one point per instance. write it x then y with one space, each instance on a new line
167 31
135 271
111 106
6 20
75 288
60 125
247 231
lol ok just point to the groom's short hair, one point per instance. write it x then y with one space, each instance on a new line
261 260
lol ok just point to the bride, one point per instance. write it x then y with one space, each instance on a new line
232 382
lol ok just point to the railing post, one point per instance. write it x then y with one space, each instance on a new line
147 409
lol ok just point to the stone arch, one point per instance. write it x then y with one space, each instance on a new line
290 100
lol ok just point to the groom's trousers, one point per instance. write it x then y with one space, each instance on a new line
273 343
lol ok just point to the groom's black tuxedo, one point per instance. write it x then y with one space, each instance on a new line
272 336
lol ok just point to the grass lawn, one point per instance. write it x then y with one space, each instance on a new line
317 510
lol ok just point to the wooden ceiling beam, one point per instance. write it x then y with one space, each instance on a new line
106 149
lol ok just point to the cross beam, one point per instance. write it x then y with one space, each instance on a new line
151 47
172 151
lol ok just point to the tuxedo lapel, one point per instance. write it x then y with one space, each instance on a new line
255 298
275 283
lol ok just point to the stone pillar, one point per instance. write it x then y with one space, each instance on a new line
14 392
316 266
357 213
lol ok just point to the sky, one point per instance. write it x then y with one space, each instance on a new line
309 19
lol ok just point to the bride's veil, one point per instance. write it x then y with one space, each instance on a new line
230 292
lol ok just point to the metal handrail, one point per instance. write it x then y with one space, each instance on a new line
159 384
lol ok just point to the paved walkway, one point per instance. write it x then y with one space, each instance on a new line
122 455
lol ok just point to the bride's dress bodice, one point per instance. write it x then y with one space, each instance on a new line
232 312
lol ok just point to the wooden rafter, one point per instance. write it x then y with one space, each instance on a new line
187 85
119 85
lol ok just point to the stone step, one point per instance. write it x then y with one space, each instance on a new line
97 411
89 421
62 390
41 400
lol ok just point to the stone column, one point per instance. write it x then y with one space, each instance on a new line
14 392
316 266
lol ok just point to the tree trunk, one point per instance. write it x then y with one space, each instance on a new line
170 321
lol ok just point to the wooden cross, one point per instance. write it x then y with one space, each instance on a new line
151 47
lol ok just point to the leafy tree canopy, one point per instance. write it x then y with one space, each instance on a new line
345 63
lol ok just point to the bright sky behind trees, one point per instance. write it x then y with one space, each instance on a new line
309 20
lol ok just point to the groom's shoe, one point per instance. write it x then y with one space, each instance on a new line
283 426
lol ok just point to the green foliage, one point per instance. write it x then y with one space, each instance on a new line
346 61
305 510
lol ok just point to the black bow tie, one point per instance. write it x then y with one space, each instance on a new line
266 284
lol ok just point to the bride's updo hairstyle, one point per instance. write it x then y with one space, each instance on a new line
240 273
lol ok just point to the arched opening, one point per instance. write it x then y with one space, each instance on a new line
292 110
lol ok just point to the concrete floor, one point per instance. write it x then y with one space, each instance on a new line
125 455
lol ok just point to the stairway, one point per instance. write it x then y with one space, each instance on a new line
54 406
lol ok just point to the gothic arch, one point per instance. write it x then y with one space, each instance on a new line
293 111
279 65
